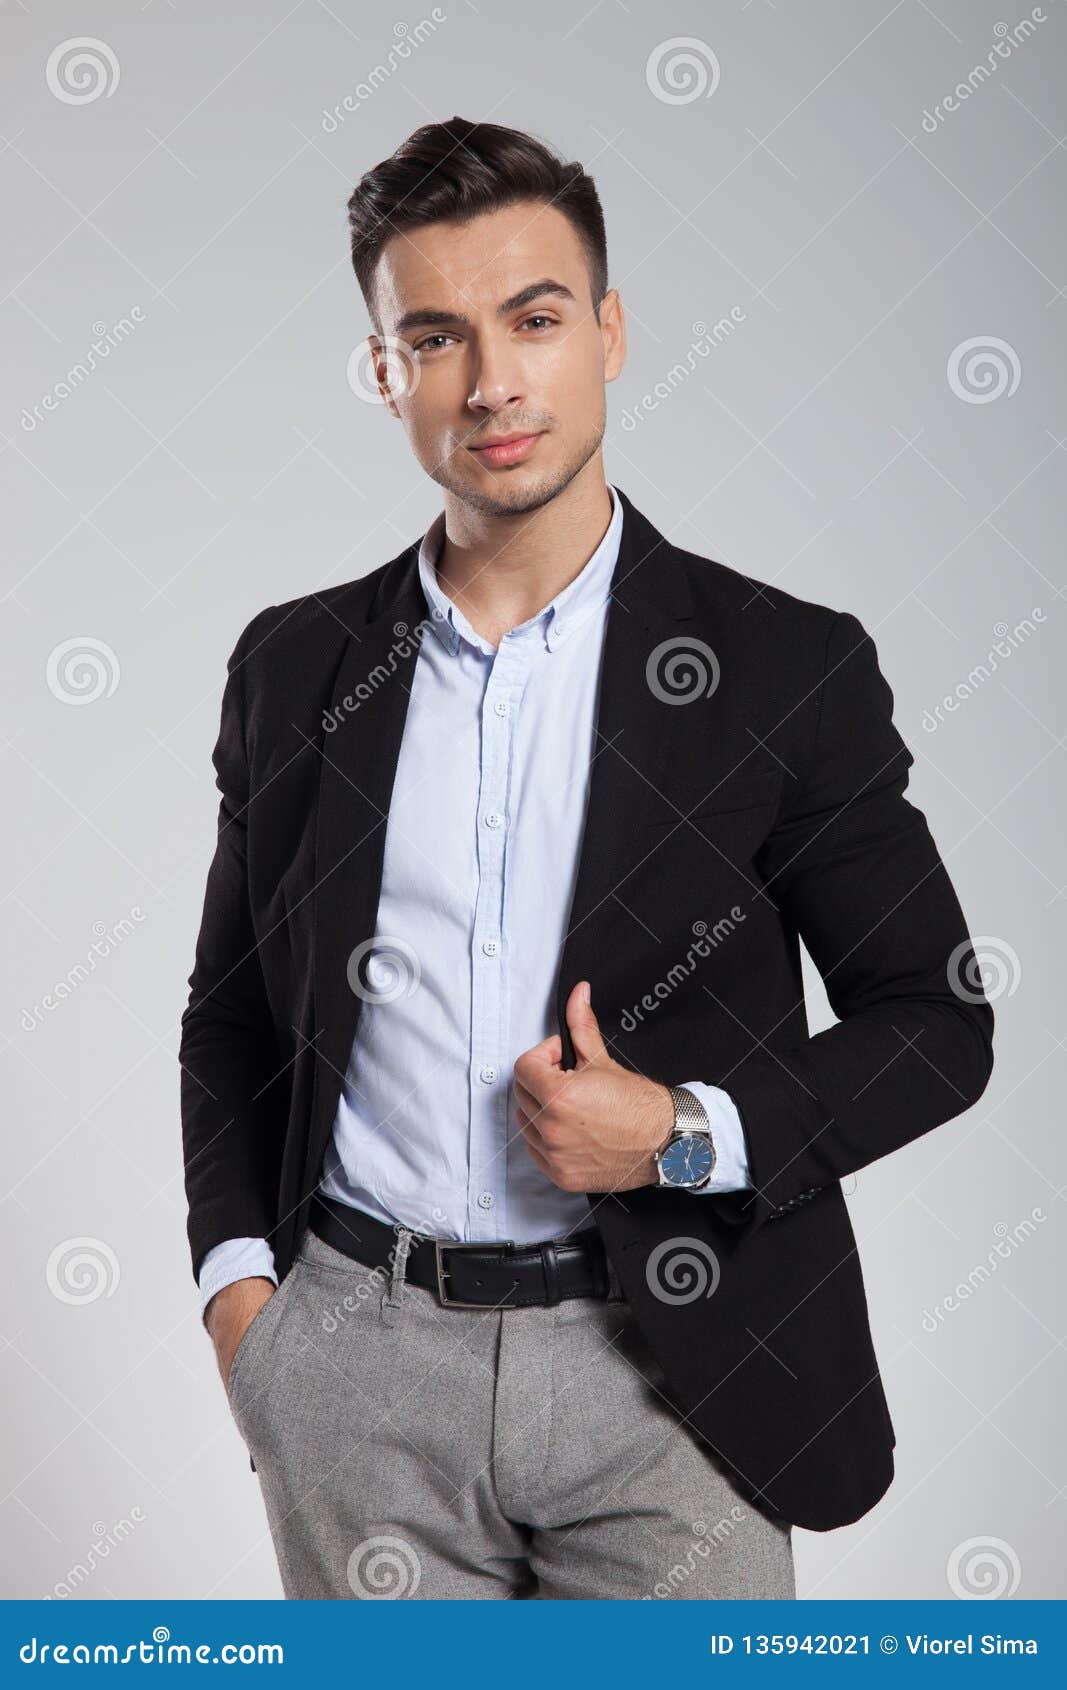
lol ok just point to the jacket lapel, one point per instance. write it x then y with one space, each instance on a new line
636 739
363 728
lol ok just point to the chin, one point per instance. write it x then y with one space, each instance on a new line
509 492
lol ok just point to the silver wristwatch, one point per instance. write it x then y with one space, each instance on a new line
688 1157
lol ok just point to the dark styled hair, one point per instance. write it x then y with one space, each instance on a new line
459 170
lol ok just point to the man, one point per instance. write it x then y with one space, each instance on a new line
520 834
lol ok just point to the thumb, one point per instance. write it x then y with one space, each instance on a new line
584 1026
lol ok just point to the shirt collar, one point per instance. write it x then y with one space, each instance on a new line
556 621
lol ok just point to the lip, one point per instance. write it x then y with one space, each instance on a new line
512 449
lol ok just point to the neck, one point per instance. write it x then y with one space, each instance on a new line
502 569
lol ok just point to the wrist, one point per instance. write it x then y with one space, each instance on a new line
662 1128
233 1300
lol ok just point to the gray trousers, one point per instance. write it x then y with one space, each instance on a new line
406 1450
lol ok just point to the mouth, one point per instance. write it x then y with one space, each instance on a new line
510 449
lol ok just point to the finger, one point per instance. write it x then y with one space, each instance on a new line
538 1073
585 1028
553 1049
531 1102
527 1126
544 1056
539 1158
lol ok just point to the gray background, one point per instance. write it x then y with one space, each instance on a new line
217 461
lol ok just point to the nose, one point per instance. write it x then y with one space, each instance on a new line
496 379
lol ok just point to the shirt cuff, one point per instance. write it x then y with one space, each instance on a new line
731 1172
235 1258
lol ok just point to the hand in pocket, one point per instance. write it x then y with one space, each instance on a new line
230 1315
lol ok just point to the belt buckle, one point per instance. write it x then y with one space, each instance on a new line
442 1244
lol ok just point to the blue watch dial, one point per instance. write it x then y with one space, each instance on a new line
688 1160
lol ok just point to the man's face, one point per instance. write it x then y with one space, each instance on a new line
505 343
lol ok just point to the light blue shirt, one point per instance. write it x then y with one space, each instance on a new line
480 859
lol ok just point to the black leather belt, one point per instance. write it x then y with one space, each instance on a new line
471 1276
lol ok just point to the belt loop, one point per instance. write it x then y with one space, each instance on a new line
550 1264
393 1296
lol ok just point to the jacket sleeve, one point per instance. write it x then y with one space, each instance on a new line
230 1103
853 867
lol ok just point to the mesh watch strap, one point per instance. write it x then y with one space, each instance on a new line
690 1116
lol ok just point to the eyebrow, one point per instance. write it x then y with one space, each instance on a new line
427 317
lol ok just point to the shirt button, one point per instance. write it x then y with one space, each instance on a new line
487 1075
500 707
485 1200
490 947
493 819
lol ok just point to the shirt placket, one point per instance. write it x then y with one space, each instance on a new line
489 1074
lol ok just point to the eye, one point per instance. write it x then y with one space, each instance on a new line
427 344
539 317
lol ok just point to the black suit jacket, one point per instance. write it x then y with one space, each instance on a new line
771 807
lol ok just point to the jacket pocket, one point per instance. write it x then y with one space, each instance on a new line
756 790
